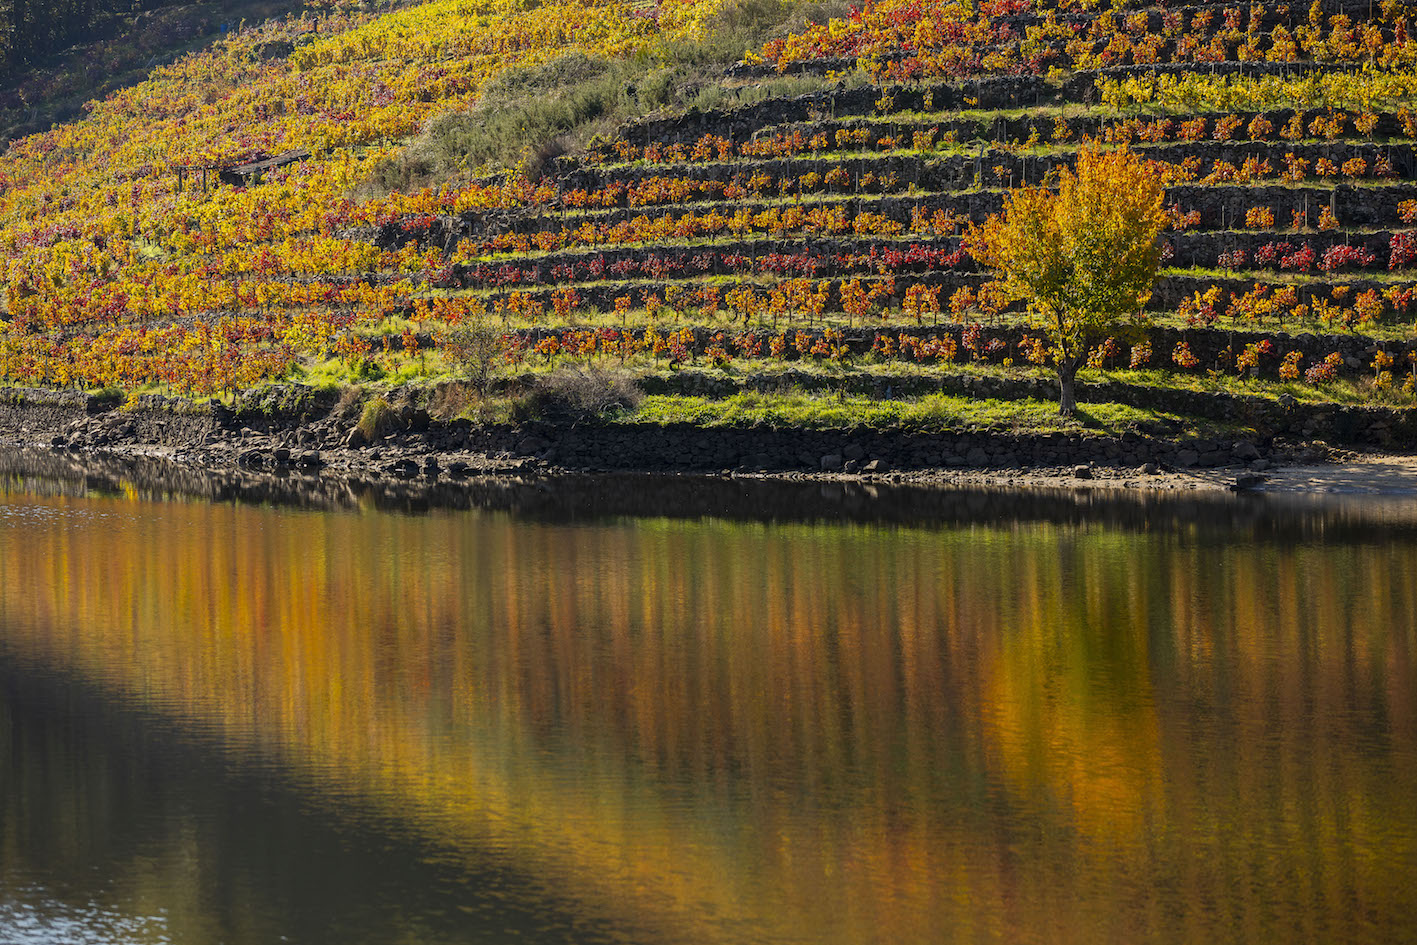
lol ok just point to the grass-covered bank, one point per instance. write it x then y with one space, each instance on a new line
580 421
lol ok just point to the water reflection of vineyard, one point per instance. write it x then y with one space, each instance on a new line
844 733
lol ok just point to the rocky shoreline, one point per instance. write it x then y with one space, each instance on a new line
302 431
287 442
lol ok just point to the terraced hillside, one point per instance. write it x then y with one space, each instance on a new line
789 251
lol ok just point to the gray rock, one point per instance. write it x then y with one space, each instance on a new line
403 468
875 466
832 462
851 466
1246 481
310 460
532 444
1245 451
853 451
977 457
1187 458
1082 472
1151 469
356 439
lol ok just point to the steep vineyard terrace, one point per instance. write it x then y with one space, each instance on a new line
802 253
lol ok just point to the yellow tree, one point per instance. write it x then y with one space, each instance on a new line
1083 256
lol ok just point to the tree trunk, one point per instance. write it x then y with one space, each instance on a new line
1067 395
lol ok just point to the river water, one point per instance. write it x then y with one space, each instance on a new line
654 711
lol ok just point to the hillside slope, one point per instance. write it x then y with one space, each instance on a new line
795 235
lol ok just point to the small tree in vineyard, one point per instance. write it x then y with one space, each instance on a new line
1083 255
476 350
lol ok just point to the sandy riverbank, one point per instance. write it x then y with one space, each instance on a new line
1351 474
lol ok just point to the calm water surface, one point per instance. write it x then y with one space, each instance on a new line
625 714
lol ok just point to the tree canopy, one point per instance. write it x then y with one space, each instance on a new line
1083 255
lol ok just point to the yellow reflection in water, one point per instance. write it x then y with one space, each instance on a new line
838 733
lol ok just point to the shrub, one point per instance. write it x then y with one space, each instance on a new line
1270 253
530 115
475 350
1402 250
1249 358
578 393
1339 257
1261 128
1325 371
522 117
1259 218
1234 259
449 399
378 419
1302 260
349 397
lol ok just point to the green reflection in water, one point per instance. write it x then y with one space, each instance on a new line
722 731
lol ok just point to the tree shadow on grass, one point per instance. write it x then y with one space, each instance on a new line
1084 418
